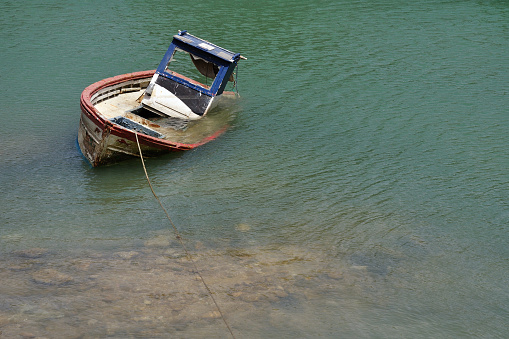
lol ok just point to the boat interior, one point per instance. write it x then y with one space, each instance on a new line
121 104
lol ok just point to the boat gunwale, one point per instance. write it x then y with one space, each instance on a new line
88 108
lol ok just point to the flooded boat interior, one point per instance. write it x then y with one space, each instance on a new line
121 104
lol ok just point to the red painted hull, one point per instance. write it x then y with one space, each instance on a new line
104 142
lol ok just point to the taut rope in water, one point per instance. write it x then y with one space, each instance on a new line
181 241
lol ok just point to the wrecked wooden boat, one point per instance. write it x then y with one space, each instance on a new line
163 109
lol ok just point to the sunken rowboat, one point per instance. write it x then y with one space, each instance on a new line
160 110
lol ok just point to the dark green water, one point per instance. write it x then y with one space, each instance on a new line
362 191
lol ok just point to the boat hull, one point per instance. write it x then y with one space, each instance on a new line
103 142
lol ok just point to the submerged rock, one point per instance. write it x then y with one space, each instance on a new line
24 266
243 227
377 262
159 241
51 276
172 253
32 253
127 255
212 315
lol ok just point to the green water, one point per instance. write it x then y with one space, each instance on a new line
362 191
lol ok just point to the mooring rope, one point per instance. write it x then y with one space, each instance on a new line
177 234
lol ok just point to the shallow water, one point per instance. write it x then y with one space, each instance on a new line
362 190
153 290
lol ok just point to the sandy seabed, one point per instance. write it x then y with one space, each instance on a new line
154 291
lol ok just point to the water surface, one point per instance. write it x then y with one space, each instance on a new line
362 190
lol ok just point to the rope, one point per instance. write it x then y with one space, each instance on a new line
182 242
235 84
